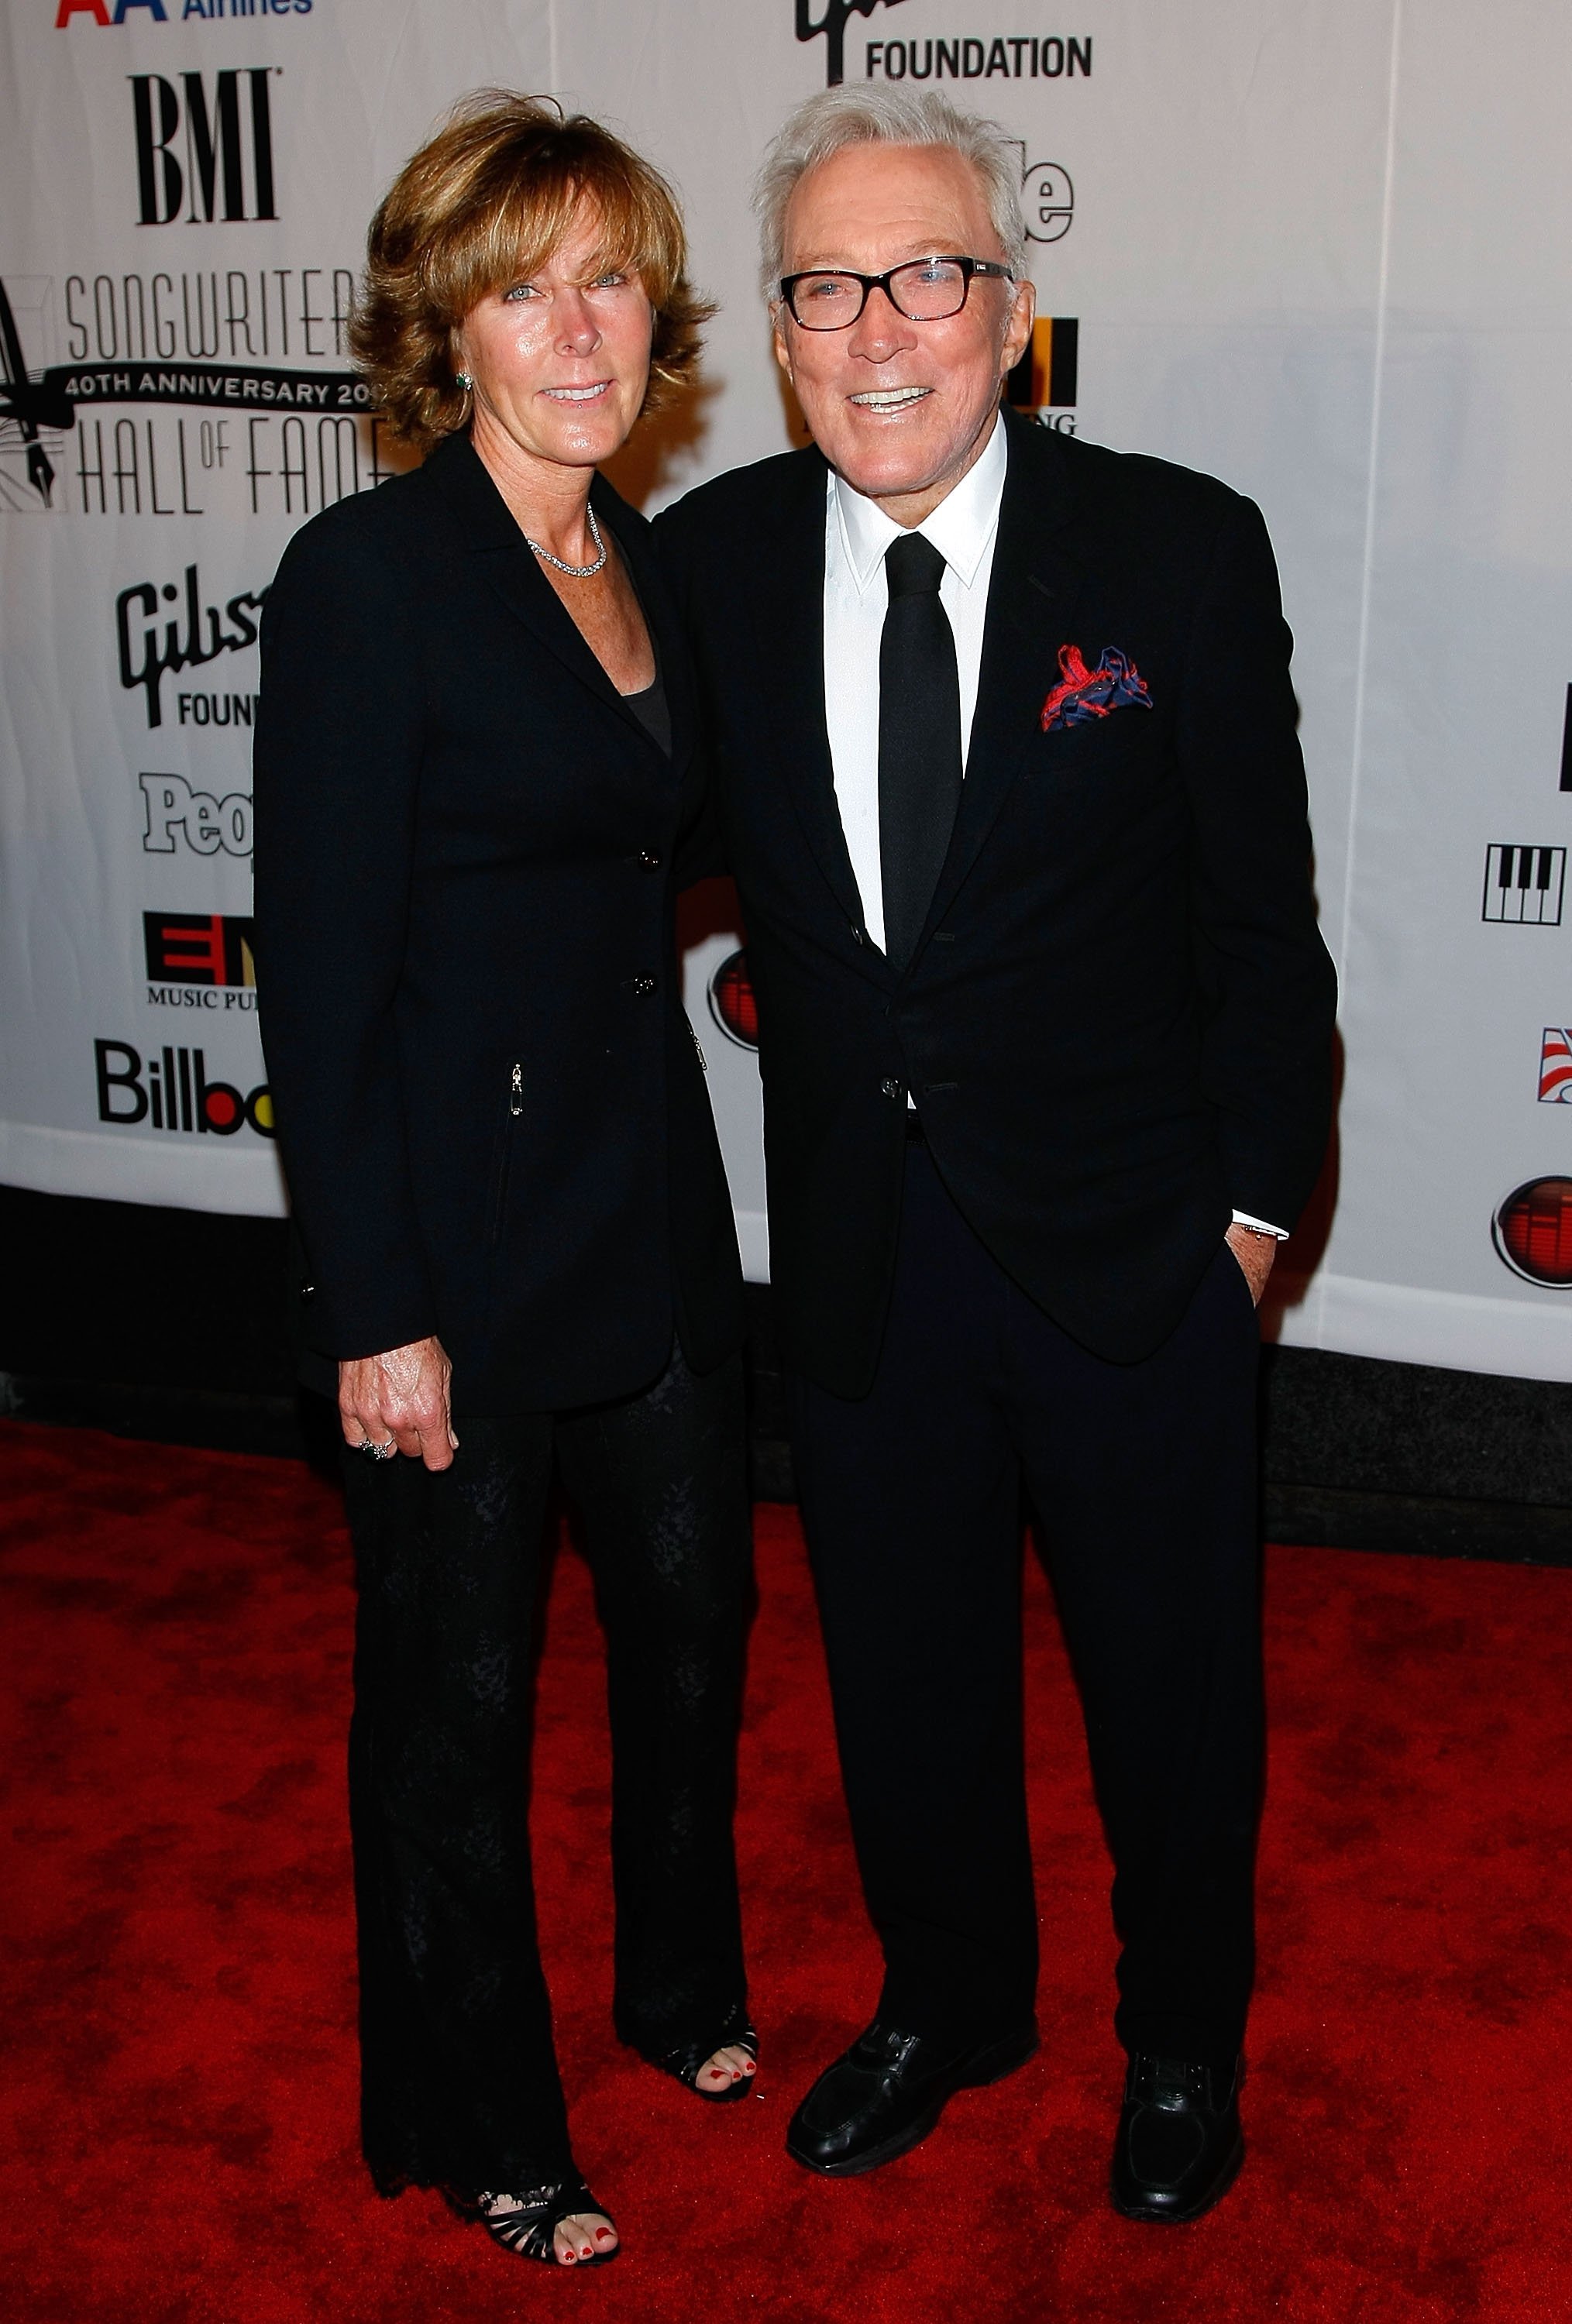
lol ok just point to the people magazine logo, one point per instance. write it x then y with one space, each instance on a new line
1532 1232
1052 56
169 1090
176 817
732 1003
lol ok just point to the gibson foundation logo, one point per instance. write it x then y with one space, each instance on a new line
152 649
1051 56
837 15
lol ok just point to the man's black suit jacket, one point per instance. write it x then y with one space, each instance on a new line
1117 1023
492 1110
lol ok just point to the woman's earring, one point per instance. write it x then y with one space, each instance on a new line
463 380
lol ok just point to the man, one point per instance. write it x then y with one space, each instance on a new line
1008 780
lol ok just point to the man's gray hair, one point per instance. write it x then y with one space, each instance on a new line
834 118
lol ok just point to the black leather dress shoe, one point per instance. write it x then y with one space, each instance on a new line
1180 2145
887 2093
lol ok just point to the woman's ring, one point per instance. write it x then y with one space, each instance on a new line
379 1452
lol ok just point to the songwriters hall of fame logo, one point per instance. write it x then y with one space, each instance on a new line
199 152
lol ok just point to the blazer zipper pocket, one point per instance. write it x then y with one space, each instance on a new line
693 1036
515 1106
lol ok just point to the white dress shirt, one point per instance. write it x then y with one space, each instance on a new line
964 528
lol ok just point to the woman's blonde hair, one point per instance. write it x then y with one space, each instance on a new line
483 204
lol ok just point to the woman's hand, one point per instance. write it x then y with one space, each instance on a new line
401 1397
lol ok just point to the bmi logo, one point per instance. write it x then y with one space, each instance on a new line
190 149
173 1091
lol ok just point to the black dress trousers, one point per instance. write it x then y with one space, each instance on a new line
460 2083
1143 1476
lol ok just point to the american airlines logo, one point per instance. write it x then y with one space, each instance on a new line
108 15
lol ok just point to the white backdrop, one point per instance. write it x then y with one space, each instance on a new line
1317 247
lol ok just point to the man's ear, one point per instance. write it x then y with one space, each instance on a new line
1018 329
778 336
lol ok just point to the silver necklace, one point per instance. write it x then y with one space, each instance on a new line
577 572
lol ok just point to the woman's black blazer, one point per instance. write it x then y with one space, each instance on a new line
491 1106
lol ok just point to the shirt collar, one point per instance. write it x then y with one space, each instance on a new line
960 528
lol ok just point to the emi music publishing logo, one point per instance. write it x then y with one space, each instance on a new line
199 960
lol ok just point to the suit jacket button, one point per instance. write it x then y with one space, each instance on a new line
648 862
307 1293
891 1089
643 985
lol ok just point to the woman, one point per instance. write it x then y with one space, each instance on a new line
474 774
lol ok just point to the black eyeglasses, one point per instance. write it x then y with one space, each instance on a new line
924 290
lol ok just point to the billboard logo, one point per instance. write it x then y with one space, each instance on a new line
214 147
732 1003
1556 1065
1047 376
1532 1231
1523 886
198 948
172 1090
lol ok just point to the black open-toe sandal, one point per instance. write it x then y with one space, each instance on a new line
687 2063
532 2220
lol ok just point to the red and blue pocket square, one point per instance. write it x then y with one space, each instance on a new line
1083 694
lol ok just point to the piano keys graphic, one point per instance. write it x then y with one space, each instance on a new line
1523 886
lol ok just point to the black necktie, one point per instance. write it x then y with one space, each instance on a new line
919 740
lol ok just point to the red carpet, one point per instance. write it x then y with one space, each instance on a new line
177 1996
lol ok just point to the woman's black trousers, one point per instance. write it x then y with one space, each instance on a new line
460 2081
